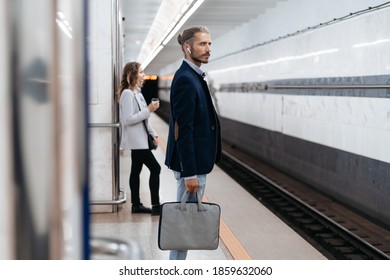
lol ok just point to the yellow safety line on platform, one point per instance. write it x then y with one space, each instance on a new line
231 242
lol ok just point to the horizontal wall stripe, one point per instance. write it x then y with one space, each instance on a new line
363 86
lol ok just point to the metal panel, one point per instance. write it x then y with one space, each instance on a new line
47 80
6 188
33 88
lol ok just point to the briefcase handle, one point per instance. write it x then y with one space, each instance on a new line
184 200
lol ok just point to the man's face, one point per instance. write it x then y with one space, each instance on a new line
200 49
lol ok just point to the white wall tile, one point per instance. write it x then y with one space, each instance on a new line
100 99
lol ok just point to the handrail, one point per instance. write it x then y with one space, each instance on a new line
111 202
113 247
116 190
114 125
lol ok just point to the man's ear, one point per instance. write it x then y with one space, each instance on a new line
187 48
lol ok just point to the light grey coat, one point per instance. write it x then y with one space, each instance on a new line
134 136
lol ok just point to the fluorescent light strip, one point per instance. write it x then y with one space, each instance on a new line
152 56
171 33
361 45
278 60
182 21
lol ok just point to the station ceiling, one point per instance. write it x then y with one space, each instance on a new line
220 17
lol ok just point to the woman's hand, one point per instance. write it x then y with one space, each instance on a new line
153 106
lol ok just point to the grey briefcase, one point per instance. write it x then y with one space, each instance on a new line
189 225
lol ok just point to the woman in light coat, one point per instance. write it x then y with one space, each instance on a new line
134 116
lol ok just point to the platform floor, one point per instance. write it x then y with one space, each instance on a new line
248 229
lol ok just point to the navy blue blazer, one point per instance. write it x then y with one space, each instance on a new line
198 144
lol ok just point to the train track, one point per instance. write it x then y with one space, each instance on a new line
335 235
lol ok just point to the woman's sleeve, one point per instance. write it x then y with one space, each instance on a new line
130 110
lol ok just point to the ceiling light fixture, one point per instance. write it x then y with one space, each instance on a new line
191 8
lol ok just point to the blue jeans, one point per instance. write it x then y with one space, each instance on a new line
181 188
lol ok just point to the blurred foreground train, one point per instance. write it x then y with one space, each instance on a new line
314 103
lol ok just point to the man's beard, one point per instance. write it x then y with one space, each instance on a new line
200 61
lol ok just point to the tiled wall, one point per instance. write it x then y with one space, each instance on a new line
100 104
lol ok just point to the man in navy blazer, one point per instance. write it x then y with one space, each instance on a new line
194 140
